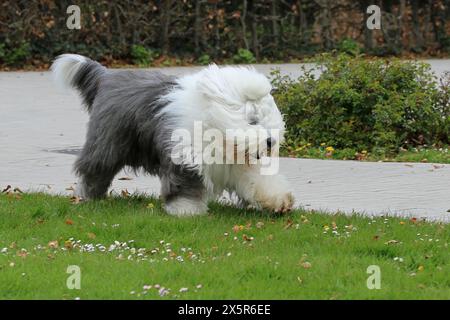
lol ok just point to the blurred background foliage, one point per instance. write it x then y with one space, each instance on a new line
168 32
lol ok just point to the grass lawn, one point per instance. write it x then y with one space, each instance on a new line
124 244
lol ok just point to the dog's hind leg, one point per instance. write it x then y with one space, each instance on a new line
96 174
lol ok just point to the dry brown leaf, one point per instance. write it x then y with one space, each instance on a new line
75 200
53 244
22 254
125 193
288 224
306 265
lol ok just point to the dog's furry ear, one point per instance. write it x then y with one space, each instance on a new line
233 85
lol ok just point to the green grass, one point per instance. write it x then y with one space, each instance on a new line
231 253
430 155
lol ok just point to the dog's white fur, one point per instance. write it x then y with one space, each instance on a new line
224 98
220 98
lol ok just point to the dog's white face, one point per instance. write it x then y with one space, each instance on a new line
239 100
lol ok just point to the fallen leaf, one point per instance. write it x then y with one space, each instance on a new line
306 265
288 224
75 200
53 244
69 222
392 242
22 254
68 244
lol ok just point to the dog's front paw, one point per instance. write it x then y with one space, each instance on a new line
282 202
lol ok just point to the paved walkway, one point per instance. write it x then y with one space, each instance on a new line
41 129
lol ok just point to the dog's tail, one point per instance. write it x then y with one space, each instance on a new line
81 73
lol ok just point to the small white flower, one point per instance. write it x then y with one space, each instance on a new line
183 289
163 292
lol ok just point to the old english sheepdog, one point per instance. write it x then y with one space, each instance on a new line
195 132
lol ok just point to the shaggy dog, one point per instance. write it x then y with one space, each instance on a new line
137 118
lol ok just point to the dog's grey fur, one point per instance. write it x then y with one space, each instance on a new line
126 128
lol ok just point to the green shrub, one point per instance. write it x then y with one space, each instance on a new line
349 46
142 56
15 56
244 56
361 104
204 59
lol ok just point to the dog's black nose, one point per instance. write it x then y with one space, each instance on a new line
270 142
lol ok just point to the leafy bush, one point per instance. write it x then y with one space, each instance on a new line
374 105
349 46
142 56
14 56
244 56
204 59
